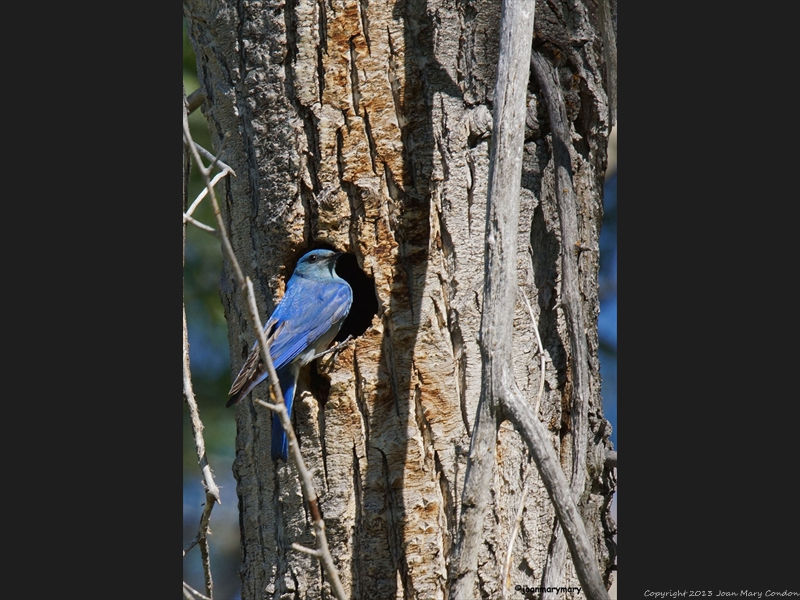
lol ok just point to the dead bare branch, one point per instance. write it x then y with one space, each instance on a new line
211 489
500 275
520 413
195 100
204 191
192 594
215 160
497 310
201 226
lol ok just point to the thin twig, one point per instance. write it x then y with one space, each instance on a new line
520 509
310 494
193 593
201 226
541 349
205 559
195 100
223 236
204 191
212 491
507 568
215 160
310 551
203 529
255 319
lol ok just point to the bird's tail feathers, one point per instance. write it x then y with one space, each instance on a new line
280 443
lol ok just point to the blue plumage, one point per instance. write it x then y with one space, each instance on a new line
303 324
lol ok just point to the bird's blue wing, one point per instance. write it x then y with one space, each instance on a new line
308 310
305 321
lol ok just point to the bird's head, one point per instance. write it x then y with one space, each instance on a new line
317 262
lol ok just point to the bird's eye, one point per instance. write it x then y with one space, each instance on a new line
312 258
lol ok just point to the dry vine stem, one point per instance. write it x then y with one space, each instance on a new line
571 299
520 509
212 491
192 594
497 385
246 286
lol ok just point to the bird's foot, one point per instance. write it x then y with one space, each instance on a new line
335 349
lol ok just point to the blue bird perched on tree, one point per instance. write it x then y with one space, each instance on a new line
303 324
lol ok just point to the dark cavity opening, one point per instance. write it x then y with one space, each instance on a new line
365 301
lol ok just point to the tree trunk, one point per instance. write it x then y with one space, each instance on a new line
366 126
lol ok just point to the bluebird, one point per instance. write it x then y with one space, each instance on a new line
303 324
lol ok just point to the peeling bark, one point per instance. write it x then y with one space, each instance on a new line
385 104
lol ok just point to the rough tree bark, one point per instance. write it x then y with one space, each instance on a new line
382 110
